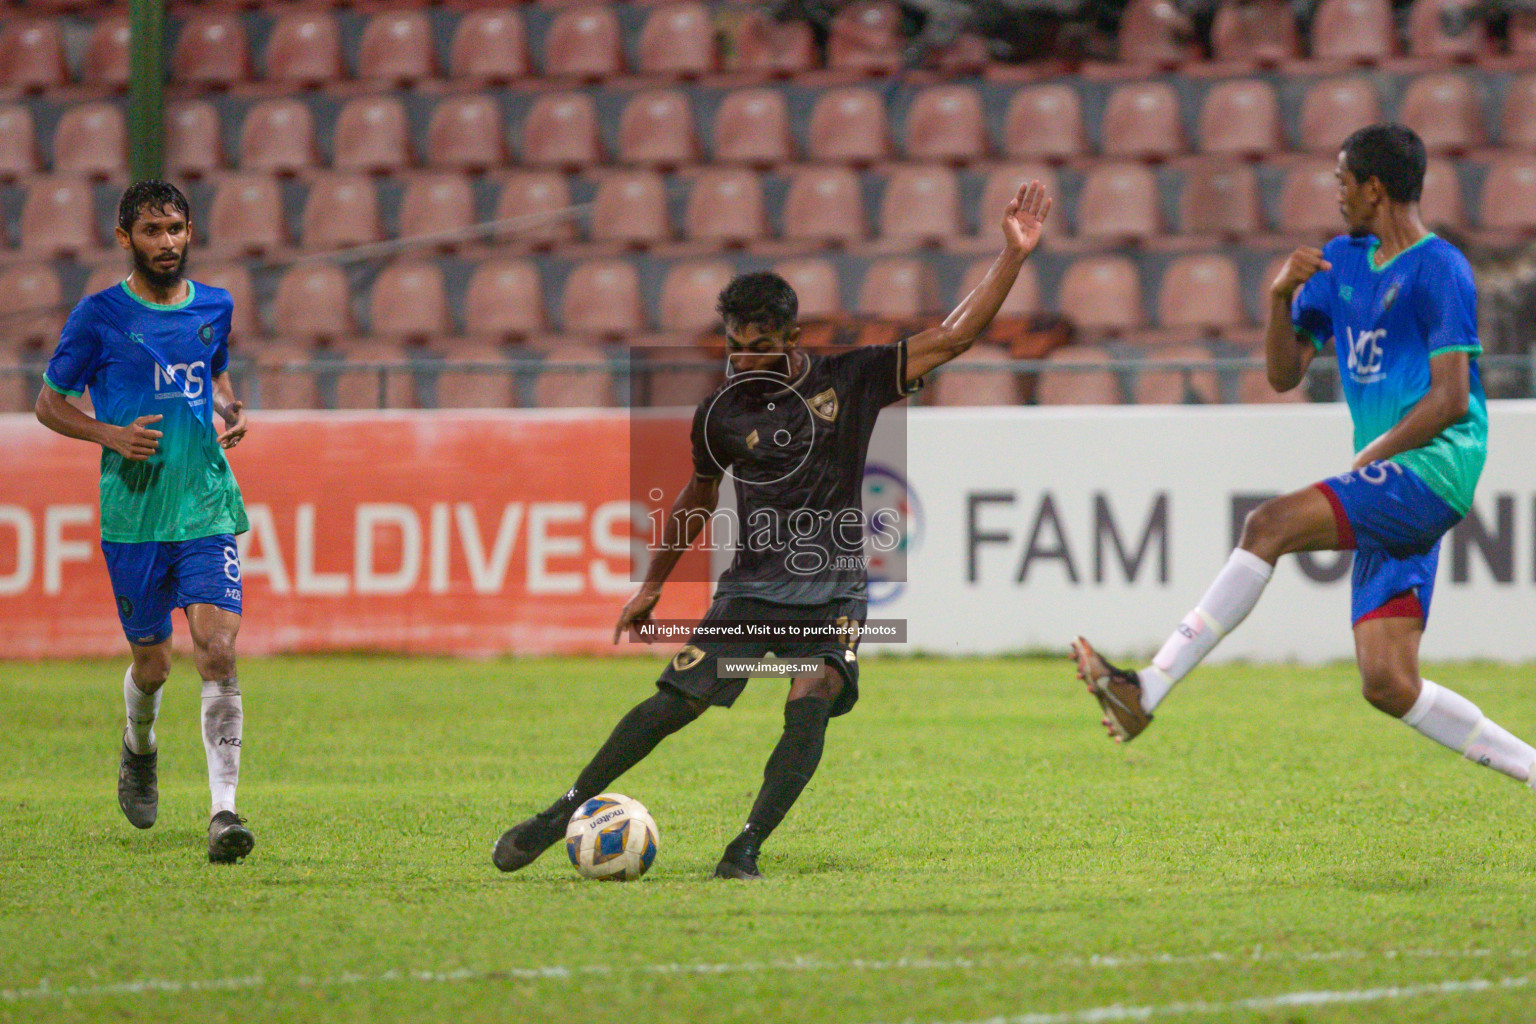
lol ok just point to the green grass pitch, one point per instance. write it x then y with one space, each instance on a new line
971 850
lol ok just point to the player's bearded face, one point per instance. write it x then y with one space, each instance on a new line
159 247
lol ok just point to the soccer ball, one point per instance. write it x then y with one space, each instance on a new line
613 838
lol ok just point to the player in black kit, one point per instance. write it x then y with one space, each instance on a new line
793 430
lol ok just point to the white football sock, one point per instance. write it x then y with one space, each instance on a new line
223 716
1451 720
1230 598
143 709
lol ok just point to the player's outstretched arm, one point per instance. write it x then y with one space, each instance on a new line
1286 353
690 512
230 410
1023 221
135 442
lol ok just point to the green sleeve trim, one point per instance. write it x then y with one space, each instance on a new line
62 391
1304 333
1474 349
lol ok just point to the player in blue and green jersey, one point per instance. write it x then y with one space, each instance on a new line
1400 307
154 352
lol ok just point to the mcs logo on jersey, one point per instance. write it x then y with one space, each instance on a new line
1365 358
182 377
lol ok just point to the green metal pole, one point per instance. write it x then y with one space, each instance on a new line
146 89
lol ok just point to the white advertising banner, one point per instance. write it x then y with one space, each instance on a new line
1027 526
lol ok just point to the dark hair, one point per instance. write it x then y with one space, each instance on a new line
1392 154
147 197
763 299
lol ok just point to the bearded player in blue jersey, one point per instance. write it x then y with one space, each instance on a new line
153 350
1400 306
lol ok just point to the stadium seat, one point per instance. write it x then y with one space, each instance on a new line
752 127
108 275
584 43
866 37
193 145
106 59
464 133
1521 33
630 208
1309 200
58 218
946 122
1355 31
656 130
489 47
1157 383
762 45
476 376
236 280
1151 33
18 141
32 306
436 203
1102 294
397 48
211 51
1427 36
372 136
409 302
1142 121
824 204
848 125
1253 388
678 40
979 377
1517 121
920 205
505 300
1044 122
247 214
1442 201
1255 31
1220 198
1078 375
313 303
282 377
373 374
689 292
1022 300
34 49
92 140
602 297
1332 109
560 130
341 210
1119 202
1446 111
278 137
1509 194
817 285
1201 293
305 48
538 204
1241 118
897 288
725 207
577 376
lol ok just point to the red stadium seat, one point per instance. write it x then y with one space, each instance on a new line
106 59
247 214
678 39
689 292
278 137
588 382
476 376
18 141
584 42
1509 194
372 135
1078 375
1517 123
489 46
211 51
631 208
1102 294
979 377
1241 118
1332 109
1446 111
561 131
824 204
1166 384
538 202
34 50
848 126
920 204
31 304
946 122
1201 293
313 302
817 285
1357 31
1142 121
765 46
409 301
373 374
465 134
1044 122
1220 198
108 275
1022 300
305 48
1442 202
91 139
1255 31
1427 36
236 280
435 203
1152 33
58 217
192 140
505 300
656 130
752 127
1253 388
1119 201
866 37
1521 30
397 48
725 207
341 210
602 297
1309 200
900 287
282 378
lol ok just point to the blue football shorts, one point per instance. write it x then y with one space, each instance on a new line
151 578
1393 522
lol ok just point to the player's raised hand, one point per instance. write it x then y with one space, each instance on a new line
637 610
1298 270
137 441
234 424
1025 217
